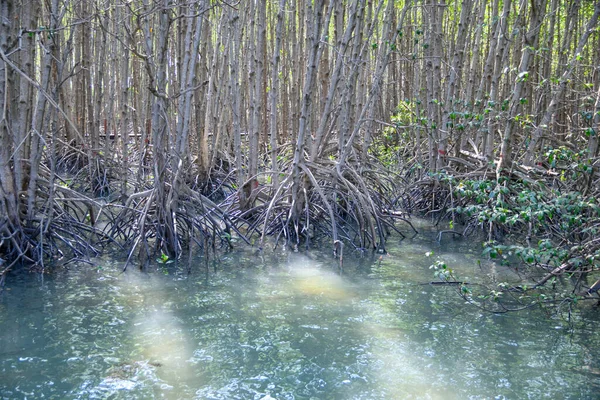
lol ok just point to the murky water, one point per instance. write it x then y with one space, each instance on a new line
285 326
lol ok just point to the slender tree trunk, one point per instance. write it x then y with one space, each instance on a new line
349 93
500 60
536 14
210 127
273 95
455 75
593 140
259 94
8 195
39 121
482 93
235 95
433 68
156 67
188 71
564 80
387 41
26 99
311 73
86 65
124 117
342 44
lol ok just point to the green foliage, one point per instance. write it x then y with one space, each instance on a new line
164 259
397 136
502 296
442 271
523 76
561 221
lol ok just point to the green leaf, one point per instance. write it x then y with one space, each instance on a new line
590 132
523 76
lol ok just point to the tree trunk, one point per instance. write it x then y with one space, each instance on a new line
39 120
455 75
307 94
9 214
500 60
530 39
273 96
564 80
321 135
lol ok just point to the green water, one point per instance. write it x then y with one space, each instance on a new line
286 326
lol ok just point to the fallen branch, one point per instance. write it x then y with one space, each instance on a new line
448 232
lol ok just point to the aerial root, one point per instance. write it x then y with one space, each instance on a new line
347 204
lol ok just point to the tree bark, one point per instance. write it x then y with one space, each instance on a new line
564 80
9 196
274 96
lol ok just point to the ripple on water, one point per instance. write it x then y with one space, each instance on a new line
294 329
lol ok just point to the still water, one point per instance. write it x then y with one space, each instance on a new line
283 325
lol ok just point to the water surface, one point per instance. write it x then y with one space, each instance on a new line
283 325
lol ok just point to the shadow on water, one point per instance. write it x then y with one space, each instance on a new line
285 326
